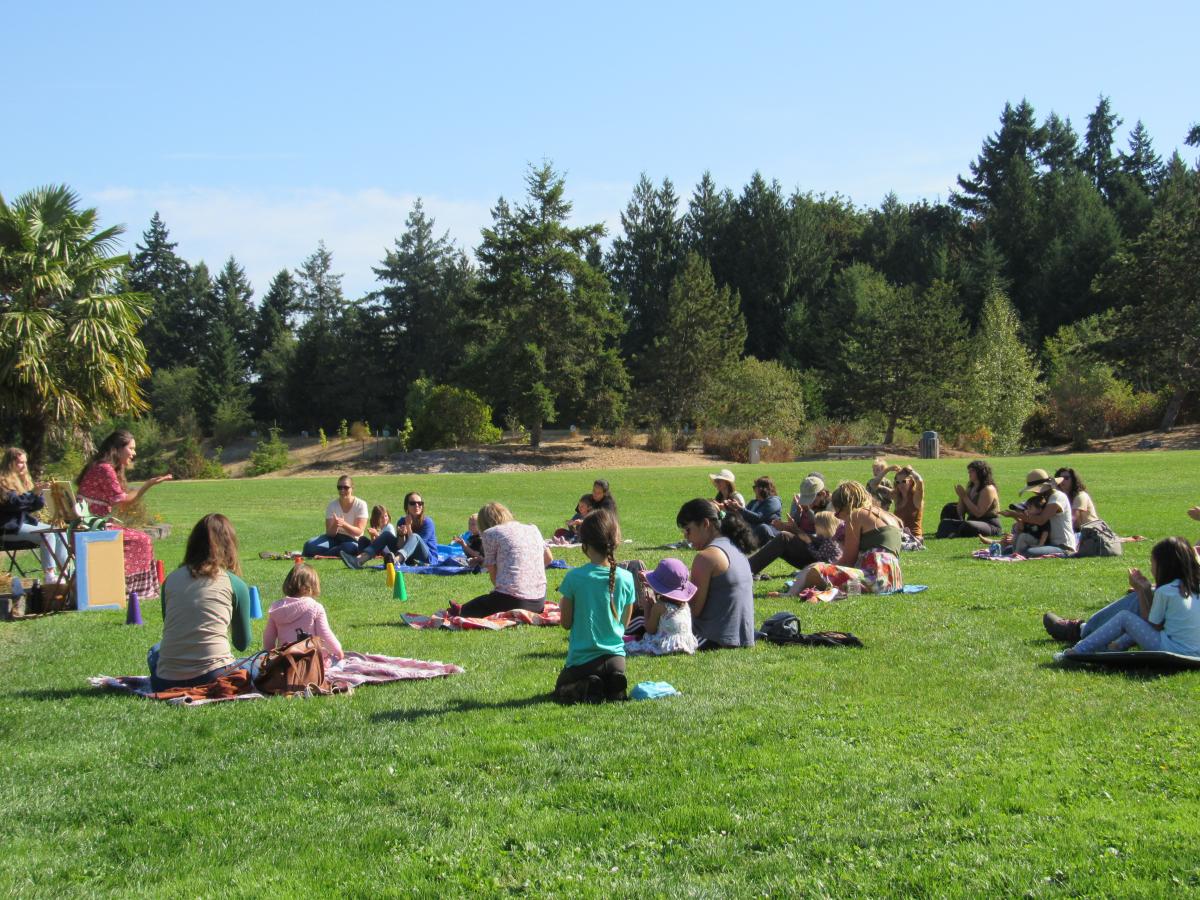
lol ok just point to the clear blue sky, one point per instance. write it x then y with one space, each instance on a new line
259 128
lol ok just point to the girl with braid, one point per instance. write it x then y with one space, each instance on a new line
596 602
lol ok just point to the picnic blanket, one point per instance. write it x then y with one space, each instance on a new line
549 615
354 670
983 553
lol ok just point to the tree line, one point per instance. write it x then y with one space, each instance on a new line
1054 295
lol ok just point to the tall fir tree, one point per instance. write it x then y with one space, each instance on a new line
1099 161
644 261
171 330
545 314
274 314
235 299
1018 143
221 371
273 347
323 367
706 224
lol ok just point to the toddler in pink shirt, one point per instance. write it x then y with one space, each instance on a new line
299 611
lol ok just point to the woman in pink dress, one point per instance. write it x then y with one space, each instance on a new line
102 484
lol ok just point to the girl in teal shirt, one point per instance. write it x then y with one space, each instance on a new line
597 600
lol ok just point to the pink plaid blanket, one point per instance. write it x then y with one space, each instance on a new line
550 615
354 670
1014 557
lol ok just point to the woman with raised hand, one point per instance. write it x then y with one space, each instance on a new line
723 605
977 511
345 523
102 484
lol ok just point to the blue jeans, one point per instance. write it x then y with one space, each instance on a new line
53 551
324 545
1126 629
162 684
1128 603
413 550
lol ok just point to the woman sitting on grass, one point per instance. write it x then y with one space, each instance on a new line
602 497
909 498
515 556
870 549
597 599
723 605
201 601
763 510
345 523
1166 618
412 542
977 511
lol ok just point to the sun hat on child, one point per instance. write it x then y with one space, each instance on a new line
1038 482
723 475
670 578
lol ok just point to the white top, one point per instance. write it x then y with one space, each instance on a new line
358 510
1178 614
1087 509
1062 531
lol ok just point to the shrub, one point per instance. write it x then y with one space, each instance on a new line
624 437
826 434
681 442
733 444
270 455
231 419
454 417
766 396
173 394
190 461
660 440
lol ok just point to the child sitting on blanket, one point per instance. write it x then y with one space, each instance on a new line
823 544
570 534
597 599
299 611
668 625
472 544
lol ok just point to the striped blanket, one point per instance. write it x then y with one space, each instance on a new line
1013 557
550 615
354 670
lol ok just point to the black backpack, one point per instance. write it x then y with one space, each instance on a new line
784 628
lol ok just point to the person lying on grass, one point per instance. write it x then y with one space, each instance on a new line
597 600
299 612
201 600
723 605
668 624
1165 618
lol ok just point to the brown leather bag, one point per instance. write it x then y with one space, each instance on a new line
295 668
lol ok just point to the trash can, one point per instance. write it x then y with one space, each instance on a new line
756 445
930 446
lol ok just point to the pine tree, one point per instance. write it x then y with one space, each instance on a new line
323 363
274 313
545 314
703 334
644 261
1018 143
1141 163
319 288
234 295
171 330
1002 389
1098 158
706 224
1061 150
222 374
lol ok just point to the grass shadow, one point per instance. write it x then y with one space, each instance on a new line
460 706
1140 673
59 693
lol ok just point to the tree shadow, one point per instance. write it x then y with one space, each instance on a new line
460 706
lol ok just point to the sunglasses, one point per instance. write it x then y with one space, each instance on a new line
343 487
416 502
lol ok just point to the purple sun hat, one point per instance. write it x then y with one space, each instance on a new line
670 579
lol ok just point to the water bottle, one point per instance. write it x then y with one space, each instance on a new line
994 549
853 588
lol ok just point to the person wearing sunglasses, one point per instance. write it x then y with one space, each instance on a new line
345 523
414 541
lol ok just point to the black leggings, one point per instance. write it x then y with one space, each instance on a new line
954 526
488 604
575 682
794 550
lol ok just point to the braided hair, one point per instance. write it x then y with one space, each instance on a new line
600 531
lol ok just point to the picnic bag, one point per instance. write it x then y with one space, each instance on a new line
295 668
1097 539
784 628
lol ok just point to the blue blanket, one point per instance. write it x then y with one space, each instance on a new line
454 563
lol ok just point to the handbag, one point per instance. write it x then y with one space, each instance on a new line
295 668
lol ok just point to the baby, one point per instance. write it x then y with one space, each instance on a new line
824 546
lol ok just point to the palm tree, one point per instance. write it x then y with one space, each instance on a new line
69 347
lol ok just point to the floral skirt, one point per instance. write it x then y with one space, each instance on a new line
878 572
140 574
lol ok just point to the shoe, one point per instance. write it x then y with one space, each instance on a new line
351 560
575 692
389 557
1064 656
1065 630
617 686
594 689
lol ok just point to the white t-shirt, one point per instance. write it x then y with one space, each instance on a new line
1178 614
1062 532
358 510
1087 509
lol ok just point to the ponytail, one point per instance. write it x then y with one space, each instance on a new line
735 528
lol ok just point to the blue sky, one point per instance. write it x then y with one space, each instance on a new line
259 128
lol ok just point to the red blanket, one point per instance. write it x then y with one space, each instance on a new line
550 615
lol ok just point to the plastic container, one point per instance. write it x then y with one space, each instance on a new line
853 588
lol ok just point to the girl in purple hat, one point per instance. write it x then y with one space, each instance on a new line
669 621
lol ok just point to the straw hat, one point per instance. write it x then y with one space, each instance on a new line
724 475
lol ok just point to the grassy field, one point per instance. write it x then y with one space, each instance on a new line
947 757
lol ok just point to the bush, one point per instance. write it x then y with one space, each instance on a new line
1086 400
682 441
190 461
270 455
660 440
765 396
173 395
454 417
624 437
733 444
231 419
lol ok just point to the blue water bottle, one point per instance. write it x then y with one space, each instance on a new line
994 550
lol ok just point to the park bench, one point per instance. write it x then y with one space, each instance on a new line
854 451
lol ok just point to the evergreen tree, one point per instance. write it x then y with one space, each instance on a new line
1017 144
222 373
171 330
319 288
1002 387
425 279
1141 162
233 295
545 314
1061 150
644 261
703 334
706 224
274 314
1098 158
323 365
273 347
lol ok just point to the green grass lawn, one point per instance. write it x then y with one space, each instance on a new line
947 757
